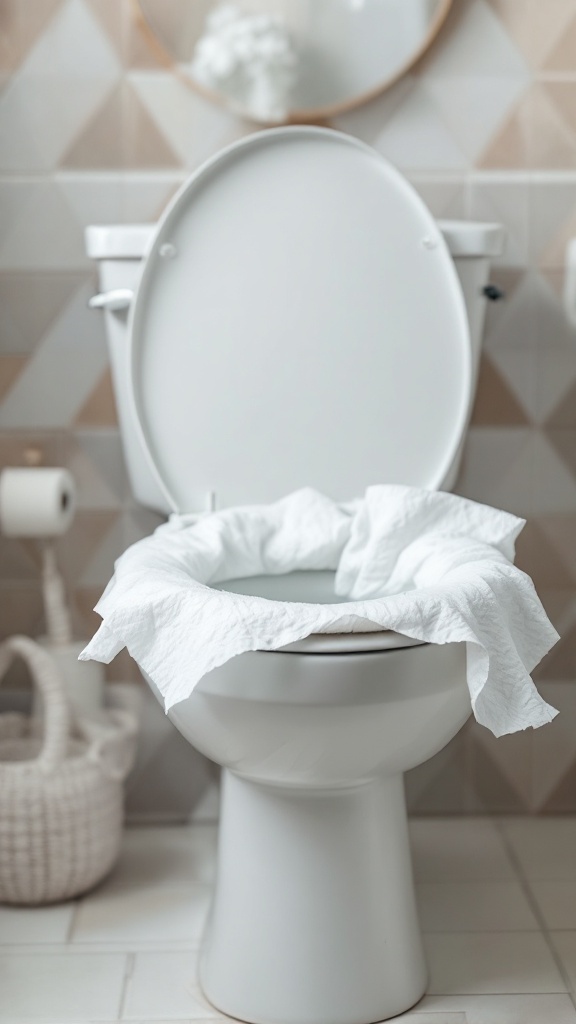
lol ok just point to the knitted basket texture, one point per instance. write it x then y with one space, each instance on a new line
61 793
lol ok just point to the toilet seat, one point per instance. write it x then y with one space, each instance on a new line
313 587
379 641
284 286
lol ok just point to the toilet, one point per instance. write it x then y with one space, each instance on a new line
297 318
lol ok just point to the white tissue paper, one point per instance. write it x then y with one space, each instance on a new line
427 564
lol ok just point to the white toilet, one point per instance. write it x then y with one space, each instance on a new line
296 319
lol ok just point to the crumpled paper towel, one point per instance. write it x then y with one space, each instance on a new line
427 564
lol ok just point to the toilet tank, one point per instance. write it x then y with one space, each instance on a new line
120 249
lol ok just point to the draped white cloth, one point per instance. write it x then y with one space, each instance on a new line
427 564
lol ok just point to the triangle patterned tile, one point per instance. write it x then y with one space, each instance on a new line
440 785
417 137
366 121
516 369
16 562
78 546
560 663
560 800
474 108
96 488
123 669
535 135
552 141
30 303
531 315
552 220
554 486
126 30
562 418
37 228
500 780
506 200
475 43
31 137
563 96
554 746
61 373
21 610
121 134
73 46
98 570
176 25
10 369
445 198
171 782
118 197
508 147
194 128
99 409
555 372
562 439
495 468
562 56
85 598
139 523
14 445
496 404
510 754
537 555
533 26
516 470
560 606
156 729
16 199
508 279
20 27
104 452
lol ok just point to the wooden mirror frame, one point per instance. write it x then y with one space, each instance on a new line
313 115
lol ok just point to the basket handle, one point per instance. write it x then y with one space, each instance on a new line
46 676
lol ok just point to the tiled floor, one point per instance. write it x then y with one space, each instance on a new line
498 908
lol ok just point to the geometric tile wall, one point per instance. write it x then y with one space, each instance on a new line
94 127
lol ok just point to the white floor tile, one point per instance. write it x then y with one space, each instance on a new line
163 914
35 924
458 849
557 902
165 985
61 987
545 847
503 1009
474 907
491 963
565 945
175 856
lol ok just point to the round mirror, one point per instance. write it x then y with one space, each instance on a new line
277 61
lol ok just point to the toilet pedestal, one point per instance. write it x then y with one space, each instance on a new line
314 918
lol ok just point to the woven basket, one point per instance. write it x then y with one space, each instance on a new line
61 795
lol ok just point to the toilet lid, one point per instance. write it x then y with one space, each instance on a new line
299 322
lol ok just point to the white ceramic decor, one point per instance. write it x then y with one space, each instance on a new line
298 318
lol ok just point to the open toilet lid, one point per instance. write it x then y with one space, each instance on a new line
299 322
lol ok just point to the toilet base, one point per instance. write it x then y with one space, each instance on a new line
314 918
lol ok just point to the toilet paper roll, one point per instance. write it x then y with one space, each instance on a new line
37 502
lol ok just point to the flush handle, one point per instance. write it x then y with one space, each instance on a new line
493 293
119 298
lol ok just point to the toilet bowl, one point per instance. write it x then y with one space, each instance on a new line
314 917
294 319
